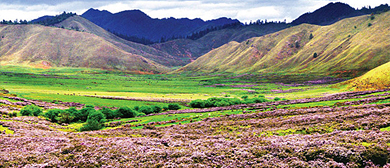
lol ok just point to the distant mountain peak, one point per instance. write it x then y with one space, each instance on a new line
135 15
335 6
137 24
327 14
96 12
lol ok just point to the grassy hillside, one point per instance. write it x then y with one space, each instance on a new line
378 78
349 47
130 47
47 46
189 50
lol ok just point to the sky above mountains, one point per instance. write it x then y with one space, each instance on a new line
243 10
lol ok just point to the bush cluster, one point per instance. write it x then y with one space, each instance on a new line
83 115
156 109
30 110
94 119
221 102
94 122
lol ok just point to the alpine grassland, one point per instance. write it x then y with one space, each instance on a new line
305 96
347 48
377 78
96 118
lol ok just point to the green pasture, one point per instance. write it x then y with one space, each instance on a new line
85 86
73 84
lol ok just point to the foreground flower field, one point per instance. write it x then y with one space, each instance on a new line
352 134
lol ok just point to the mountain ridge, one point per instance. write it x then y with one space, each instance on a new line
333 12
36 44
354 45
139 49
137 23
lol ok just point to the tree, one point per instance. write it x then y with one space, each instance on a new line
297 44
315 55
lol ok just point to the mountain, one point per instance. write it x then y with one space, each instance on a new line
136 23
48 46
82 24
333 12
192 49
328 14
349 47
40 19
189 50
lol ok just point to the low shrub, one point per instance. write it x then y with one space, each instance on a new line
379 155
95 121
12 114
65 116
98 116
82 114
140 114
110 114
173 106
260 100
315 55
52 114
145 109
215 102
221 102
198 103
91 125
126 112
30 110
156 109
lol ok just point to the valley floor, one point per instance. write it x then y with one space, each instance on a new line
311 124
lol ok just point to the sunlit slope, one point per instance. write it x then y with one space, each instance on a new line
377 78
187 49
139 49
354 45
37 45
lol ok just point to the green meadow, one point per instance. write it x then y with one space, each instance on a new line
88 86
75 84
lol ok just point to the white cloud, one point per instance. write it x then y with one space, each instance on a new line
268 12
359 4
244 10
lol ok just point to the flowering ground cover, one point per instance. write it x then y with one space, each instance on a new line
336 136
304 123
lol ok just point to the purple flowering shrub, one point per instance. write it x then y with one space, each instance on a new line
340 136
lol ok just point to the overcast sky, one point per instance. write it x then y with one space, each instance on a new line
243 10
